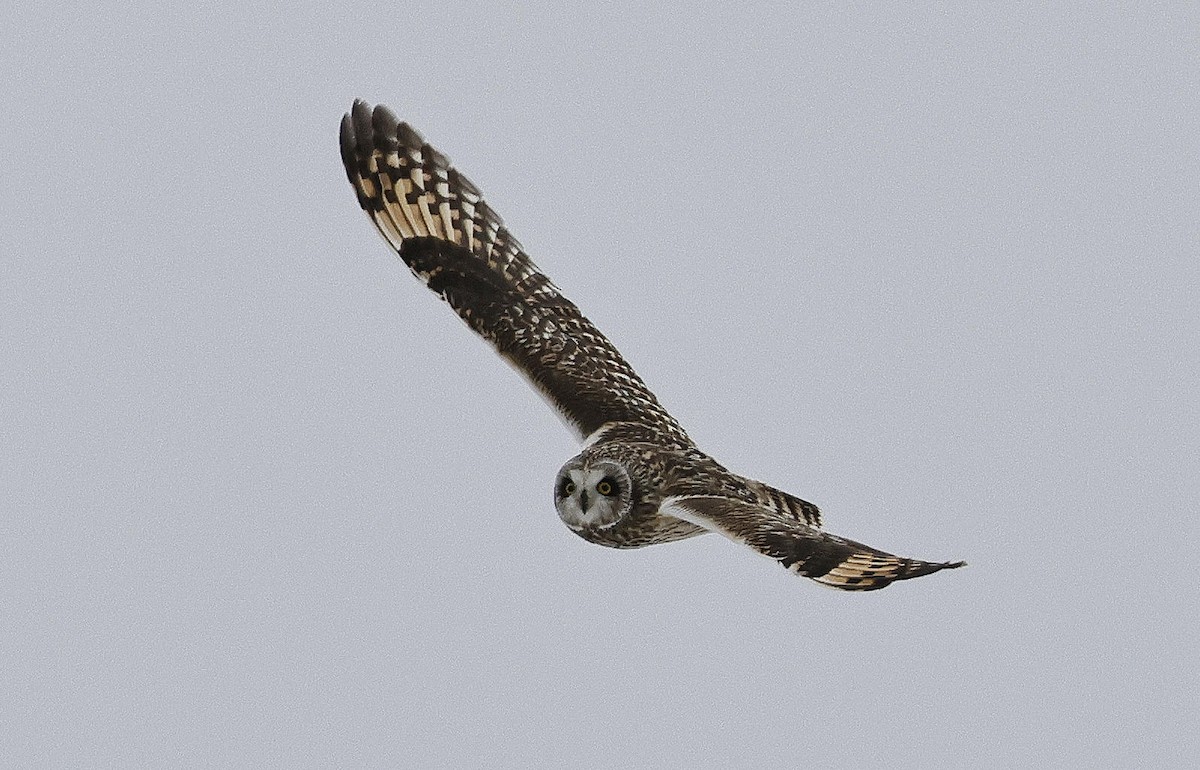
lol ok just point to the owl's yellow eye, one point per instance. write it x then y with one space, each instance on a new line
607 487
568 487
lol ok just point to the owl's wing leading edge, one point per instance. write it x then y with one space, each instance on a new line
828 559
457 246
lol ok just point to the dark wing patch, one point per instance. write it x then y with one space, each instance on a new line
452 240
805 550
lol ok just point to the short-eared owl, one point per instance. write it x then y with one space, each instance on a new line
639 479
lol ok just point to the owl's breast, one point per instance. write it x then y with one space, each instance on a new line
645 527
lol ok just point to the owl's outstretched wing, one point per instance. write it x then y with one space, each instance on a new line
805 550
453 241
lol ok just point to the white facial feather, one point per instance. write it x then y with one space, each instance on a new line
584 506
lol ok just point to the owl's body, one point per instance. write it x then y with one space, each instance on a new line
639 479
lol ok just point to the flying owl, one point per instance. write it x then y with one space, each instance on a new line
639 479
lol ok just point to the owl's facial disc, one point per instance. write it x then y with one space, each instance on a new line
591 496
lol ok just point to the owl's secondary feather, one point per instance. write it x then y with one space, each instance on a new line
639 479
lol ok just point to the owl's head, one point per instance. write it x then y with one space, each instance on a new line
592 494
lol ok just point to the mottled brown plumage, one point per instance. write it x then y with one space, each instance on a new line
639 479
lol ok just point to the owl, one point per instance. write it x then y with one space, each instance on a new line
639 479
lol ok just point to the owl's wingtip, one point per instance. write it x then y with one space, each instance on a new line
348 142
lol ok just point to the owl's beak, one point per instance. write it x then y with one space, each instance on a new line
583 504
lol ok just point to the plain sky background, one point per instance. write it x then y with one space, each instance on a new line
266 501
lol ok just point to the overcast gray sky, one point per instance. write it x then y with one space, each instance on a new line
933 267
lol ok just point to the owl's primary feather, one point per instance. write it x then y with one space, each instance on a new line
639 480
